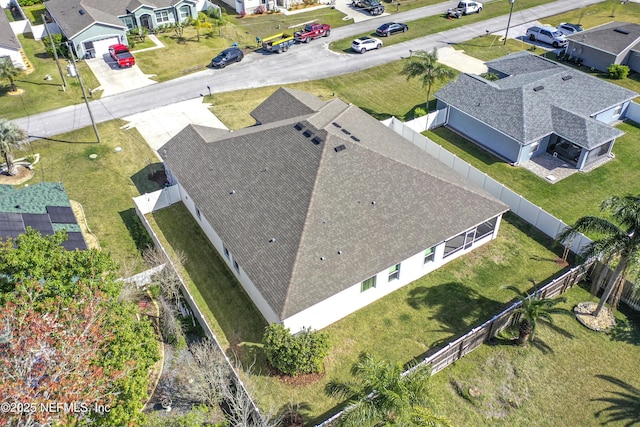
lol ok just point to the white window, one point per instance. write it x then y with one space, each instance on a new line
394 272
236 266
226 252
368 284
617 110
429 255
162 17
185 13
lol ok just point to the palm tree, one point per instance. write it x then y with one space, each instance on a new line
424 65
382 395
533 309
11 137
10 72
201 23
618 240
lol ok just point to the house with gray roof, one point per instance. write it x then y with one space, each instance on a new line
94 25
319 209
44 207
537 107
612 43
10 46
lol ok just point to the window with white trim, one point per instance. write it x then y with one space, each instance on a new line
429 255
162 17
226 252
394 272
236 266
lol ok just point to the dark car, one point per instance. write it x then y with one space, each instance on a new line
391 28
226 57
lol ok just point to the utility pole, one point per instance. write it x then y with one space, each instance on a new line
509 21
55 51
84 93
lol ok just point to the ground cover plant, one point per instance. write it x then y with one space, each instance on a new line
491 47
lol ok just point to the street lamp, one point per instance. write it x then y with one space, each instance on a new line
509 21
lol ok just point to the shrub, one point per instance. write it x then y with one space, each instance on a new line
29 2
419 112
61 45
617 71
295 354
260 10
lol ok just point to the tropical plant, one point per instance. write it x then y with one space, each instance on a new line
12 137
492 77
295 354
424 66
616 242
618 71
381 394
535 308
201 24
10 72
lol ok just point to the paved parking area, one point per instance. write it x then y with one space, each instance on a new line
114 79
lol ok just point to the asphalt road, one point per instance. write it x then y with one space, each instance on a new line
301 63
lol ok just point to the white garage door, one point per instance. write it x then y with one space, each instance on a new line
100 47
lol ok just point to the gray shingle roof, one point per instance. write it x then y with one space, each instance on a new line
7 37
74 16
337 217
613 37
284 104
520 105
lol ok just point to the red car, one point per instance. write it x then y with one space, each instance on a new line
120 53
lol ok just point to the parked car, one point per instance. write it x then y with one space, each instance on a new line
226 57
464 8
364 44
549 35
120 53
567 29
389 28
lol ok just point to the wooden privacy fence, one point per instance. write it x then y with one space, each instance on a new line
473 339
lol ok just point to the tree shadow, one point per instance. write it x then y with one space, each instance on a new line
627 330
624 405
136 230
455 305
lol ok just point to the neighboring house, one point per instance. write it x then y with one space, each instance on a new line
319 209
612 43
45 207
536 106
94 25
10 46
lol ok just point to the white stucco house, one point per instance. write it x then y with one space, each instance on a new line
319 209
10 46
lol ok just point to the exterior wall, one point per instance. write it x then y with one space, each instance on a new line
244 280
633 61
484 135
352 299
592 57
542 147
611 115
14 55
97 32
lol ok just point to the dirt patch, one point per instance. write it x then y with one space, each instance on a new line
90 238
299 380
24 174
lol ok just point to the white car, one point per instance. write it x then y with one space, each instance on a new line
567 28
364 44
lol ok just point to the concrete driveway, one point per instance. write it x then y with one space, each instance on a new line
114 79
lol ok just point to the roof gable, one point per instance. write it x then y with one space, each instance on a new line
614 37
7 37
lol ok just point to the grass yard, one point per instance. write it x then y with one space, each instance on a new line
435 24
103 186
40 95
380 91
598 14
411 321
570 198
490 47
563 379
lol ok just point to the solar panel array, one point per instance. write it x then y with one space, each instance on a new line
14 224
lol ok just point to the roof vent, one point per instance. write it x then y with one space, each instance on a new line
346 131
232 192
321 258
355 138
565 78
271 240
307 133
81 12
339 148
621 30
339 252
336 125
298 126
373 202
316 140
538 88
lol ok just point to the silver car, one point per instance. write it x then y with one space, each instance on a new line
363 44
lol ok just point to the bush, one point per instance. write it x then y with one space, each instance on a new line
617 71
260 10
419 112
61 45
29 2
295 354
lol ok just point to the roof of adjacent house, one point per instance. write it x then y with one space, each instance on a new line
68 15
45 207
614 37
311 205
522 105
8 38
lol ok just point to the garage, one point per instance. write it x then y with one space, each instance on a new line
98 48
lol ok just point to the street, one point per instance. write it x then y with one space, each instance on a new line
301 63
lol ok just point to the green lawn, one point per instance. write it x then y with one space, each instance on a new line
573 197
490 47
435 24
598 14
561 380
103 186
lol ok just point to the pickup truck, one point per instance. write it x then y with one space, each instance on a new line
548 35
120 53
312 31
464 8
374 7
278 42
